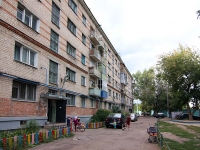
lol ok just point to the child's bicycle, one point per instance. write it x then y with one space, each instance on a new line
80 127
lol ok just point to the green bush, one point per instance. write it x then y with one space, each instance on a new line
100 115
32 127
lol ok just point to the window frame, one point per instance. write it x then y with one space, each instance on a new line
83 81
84 19
73 6
25 12
53 74
72 101
27 88
55 18
19 55
83 102
71 27
83 39
71 50
83 59
54 41
71 75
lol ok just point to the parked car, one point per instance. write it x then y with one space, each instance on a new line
137 114
111 118
183 116
133 117
160 115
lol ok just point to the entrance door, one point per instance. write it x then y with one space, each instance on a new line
60 111
51 111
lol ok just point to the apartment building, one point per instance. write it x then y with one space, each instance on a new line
56 61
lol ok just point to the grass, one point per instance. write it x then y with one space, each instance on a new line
193 139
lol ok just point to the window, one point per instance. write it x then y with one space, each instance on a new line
27 17
113 59
83 59
71 50
71 75
116 61
92 102
116 95
54 41
109 78
71 26
116 72
109 92
83 19
23 91
25 55
113 82
72 99
109 106
84 39
108 52
73 6
113 71
83 81
105 105
83 102
109 65
55 17
52 92
53 72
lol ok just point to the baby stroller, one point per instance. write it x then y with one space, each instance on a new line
152 134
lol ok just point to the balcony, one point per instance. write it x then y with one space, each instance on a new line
100 47
103 61
123 79
93 91
104 94
123 101
94 54
102 69
93 38
93 72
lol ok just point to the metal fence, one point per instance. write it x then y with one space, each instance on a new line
161 141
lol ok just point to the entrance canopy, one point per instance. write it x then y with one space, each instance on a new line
54 97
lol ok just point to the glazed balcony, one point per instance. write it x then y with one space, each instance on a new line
93 91
93 38
93 72
94 54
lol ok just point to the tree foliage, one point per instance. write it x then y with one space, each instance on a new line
150 90
181 70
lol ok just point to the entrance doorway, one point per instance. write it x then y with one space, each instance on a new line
56 111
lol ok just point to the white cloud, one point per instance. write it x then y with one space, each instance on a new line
141 30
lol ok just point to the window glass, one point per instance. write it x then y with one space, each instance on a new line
71 50
73 6
83 59
54 41
23 91
55 14
72 99
53 72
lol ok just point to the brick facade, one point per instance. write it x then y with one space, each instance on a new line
14 32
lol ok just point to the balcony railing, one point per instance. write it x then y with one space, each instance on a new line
95 92
93 72
94 54
93 38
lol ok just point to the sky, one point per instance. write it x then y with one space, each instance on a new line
142 30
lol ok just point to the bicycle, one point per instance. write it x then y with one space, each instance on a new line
80 127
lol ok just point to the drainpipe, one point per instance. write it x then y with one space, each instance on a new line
46 73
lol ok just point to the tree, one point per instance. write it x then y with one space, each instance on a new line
181 69
150 90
